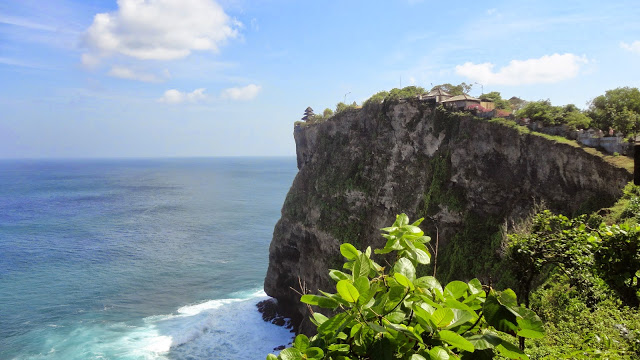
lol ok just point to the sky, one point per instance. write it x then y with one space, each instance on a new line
185 78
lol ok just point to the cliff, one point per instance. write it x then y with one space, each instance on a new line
469 177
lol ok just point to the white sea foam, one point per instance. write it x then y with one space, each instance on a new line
216 329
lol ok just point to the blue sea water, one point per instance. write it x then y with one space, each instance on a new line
138 259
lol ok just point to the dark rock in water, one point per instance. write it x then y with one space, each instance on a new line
469 177
270 313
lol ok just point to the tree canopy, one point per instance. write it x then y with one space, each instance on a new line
462 88
516 103
550 115
618 108
497 99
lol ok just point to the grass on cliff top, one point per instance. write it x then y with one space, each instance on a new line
620 161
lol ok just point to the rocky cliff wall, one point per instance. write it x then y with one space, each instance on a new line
469 177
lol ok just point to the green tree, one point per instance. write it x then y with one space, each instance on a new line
577 120
617 260
543 111
327 113
390 313
497 100
618 108
551 241
462 88
340 107
516 103
376 98
406 92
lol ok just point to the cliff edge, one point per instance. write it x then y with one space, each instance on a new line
469 177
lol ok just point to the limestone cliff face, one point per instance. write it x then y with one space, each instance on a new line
467 176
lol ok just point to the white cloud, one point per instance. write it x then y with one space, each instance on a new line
491 11
126 73
547 69
242 93
633 47
174 96
158 30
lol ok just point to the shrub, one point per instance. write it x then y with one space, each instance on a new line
388 313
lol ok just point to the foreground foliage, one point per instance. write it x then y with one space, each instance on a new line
582 277
389 313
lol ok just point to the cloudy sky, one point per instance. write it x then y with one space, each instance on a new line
165 78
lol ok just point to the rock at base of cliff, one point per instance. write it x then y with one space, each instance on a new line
269 310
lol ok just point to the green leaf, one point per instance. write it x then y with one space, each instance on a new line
488 340
456 289
475 286
320 301
349 251
332 324
347 291
422 257
412 229
508 298
301 342
402 280
406 268
442 317
460 317
314 353
401 220
428 282
338 275
366 298
424 318
396 294
291 354
396 316
377 328
339 347
272 357
530 327
510 351
361 284
455 304
438 353
361 266
418 222
498 315
456 340
318 318
417 357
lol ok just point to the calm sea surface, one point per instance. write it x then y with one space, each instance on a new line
138 259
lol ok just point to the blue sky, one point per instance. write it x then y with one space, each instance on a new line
165 78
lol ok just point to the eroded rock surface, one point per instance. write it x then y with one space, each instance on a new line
468 176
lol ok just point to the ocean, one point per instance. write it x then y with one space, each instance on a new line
138 259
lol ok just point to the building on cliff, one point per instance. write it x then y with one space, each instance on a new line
460 102
436 96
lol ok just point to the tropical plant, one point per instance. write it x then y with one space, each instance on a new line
389 313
